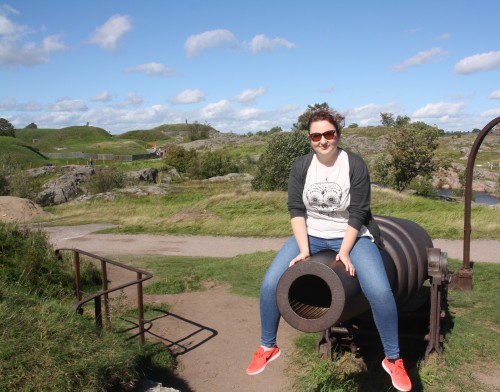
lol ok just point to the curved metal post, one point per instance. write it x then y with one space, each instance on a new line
465 273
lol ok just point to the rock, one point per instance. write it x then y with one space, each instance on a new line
64 188
133 190
232 177
148 175
153 386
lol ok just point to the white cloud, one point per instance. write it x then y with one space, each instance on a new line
439 110
369 114
68 105
432 55
109 34
217 109
6 9
494 94
151 69
328 89
52 43
104 96
444 36
250 95
188 96
10 104
30 106
261 43
478 63
134 99
197 43
249 113
491 113
30 53
9 29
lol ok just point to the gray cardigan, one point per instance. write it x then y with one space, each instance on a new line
359 207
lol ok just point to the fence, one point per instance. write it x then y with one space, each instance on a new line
100 157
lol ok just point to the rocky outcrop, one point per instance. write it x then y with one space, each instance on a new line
64 188
148 190
148 175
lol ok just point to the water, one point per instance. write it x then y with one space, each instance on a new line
478 197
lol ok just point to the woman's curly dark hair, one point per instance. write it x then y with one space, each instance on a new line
330 115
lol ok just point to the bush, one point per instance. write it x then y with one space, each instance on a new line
179 157
27 259
211 164
106 179
21 184
274 165
423 187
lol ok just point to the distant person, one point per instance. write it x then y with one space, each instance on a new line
91 162
329 205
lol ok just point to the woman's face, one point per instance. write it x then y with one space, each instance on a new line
323 146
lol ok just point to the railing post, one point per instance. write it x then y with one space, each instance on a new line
77 275
140 305
98 312
105 287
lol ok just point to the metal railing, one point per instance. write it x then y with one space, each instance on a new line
104 293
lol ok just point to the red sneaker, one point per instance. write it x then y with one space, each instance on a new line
396 370
261 358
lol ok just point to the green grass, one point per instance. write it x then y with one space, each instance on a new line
20 153
173 275
44 343
231 209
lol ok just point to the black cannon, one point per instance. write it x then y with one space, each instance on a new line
318 294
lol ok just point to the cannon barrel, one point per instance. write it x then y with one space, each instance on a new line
317 294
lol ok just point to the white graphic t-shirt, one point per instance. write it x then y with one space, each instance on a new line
326 198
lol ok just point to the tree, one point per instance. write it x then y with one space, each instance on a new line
31 125
274 165
410 154
387 119
6 128
301 124
401 121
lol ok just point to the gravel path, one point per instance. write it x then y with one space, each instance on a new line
83 237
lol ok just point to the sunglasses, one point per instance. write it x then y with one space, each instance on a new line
328 135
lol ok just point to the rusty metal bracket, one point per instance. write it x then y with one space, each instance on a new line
439 279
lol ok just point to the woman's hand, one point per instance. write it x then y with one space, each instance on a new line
346 260
301 257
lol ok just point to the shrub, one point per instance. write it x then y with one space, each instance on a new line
21 184
211 164
274 165
106 179
179 157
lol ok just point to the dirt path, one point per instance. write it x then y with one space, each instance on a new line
214 332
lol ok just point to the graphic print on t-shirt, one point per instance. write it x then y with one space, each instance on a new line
324 197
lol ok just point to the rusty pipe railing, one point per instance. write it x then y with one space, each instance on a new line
465 273
141 277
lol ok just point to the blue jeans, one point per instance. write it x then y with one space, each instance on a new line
370 271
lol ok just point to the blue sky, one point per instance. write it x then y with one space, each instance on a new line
246 66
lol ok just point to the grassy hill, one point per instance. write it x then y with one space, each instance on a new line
17 152
167 133
79 139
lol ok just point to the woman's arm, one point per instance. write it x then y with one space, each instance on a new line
351 234
299 229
